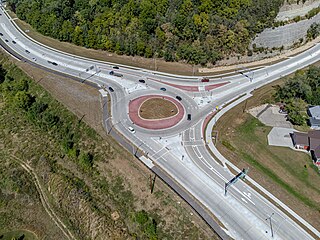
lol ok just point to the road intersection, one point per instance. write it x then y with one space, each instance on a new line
180 150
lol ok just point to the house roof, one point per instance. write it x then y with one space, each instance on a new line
314 143
300 138
314 121
315 111
314 134
317 152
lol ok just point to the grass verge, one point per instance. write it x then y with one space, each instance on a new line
287 174
89 178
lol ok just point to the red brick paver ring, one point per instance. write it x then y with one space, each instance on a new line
154 124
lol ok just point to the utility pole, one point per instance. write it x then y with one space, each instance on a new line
270 219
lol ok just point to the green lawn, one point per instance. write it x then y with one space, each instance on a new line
289 169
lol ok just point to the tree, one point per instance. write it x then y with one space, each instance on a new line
134 27
297 112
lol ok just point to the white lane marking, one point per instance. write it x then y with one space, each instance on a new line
197 152
244 200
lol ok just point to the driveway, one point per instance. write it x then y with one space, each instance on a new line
280 136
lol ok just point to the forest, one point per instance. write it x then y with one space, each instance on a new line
193 31
298 92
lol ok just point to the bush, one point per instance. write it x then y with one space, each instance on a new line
86 160
23 100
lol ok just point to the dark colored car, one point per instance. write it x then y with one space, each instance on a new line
111 89
13 42
115 67
6 40
163 89
53 63
27 51
1 34
179 98
142 81
111 72
189 117
205 80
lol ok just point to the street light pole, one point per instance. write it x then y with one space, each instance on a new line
270 219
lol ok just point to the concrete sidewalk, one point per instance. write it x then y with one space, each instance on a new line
225 161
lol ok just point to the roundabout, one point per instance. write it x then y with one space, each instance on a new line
155 112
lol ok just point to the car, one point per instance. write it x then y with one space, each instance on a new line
205 80
6 40
27 51
111 72
179 98
115 67
111 89
14 42
163 89
54 63
34 59
189 117
131 129
142 81
1 34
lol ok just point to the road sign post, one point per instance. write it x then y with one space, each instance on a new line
240 175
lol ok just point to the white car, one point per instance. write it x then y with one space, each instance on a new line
131 129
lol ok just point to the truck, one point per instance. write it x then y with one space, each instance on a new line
115 74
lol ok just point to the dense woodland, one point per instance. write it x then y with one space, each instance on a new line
195 31
300 91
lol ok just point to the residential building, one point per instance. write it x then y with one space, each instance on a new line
314 117
308 141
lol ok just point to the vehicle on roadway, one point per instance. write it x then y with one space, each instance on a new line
6 40
53 63
205 79
142 81
131 129
14 42
189 117
179 98
115 67
163 89
111 89
27 51
115 74
1 34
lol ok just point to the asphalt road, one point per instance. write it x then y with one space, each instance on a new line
179 151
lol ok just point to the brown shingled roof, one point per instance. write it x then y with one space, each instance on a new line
301 138
314 139
317 152
314 134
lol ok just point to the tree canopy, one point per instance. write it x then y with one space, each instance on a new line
196 31
298 92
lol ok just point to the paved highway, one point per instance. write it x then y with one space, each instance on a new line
180 150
